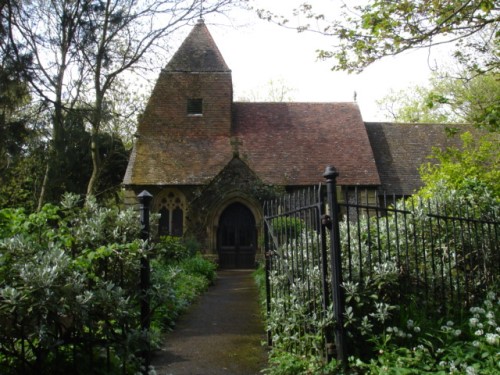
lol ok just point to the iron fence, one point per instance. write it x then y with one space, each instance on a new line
425 253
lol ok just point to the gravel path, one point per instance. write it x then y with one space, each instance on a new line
221 334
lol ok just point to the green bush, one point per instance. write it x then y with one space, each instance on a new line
469 346
287 226
389 280
197 265
171 249
177 285
69 278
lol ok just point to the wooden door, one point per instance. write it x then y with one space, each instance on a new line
236 237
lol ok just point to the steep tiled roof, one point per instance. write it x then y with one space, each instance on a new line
198 53
292 143
400 149
283 143
162 160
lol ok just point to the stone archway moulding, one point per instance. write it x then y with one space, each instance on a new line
213 220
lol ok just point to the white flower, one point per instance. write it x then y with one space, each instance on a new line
473 322
457 333
445 329
479 332
410 323
470 370
449 323
492 338
416 329
475 344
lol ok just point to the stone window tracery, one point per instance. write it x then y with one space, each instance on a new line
172 207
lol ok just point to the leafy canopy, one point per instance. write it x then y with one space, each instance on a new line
372 29
472 173
449 98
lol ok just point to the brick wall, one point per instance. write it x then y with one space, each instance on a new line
167 107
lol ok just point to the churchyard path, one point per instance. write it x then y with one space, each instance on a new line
221 334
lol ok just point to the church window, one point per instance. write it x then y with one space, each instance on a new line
195 107
171 209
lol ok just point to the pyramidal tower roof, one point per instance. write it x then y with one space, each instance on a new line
198 53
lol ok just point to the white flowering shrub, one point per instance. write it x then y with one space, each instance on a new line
298 320
69 289
470 346
402 272
68 280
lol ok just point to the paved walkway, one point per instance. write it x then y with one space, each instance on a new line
222 334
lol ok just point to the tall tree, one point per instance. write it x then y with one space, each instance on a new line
462 97
81 47
50 31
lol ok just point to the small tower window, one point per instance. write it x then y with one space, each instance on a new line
195 107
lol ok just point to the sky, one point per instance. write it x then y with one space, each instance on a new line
257 51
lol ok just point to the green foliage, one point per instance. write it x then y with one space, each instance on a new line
69 278
412 105
66 273
378 28
259 276
288 226
467 347
197 265
171 249
177 285
463 97
284 363
396 271
470 174
294 320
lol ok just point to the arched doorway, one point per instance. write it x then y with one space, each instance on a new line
236 237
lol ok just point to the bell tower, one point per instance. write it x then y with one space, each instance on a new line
194 93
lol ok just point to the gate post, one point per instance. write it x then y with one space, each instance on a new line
331 175
268 257
145 199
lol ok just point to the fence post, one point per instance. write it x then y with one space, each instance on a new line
326 296
268 283
145 199
331 175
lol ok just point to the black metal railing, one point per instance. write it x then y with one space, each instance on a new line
439 257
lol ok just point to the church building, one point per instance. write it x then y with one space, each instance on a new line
210 162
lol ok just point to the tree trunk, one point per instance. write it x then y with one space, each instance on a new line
96 163
44 188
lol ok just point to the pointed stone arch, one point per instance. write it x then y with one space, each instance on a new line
214 220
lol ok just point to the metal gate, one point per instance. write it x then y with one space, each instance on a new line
297 248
